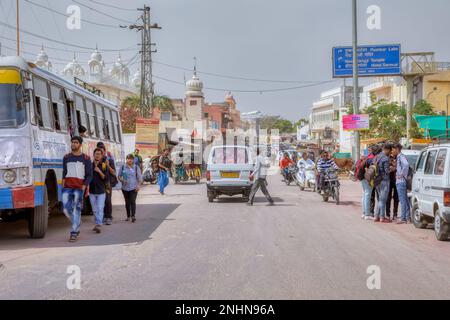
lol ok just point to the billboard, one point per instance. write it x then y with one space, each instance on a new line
373 61
355 122
147 137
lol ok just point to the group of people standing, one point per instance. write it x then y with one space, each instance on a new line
384 176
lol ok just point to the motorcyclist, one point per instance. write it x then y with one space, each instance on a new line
285 162
304 163
323 164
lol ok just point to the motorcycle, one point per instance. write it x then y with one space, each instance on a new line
289 177
331 186
306 177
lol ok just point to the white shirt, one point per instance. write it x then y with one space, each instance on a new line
261 167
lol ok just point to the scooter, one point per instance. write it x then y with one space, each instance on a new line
306 177
331 186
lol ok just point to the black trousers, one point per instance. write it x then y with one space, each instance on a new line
260 183
130 202
392 195
108 205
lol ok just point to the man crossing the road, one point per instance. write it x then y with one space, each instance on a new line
260 176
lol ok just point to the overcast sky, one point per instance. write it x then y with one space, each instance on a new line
289 40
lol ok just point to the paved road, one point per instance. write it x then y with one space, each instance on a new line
183 247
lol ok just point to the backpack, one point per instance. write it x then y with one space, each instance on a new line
360 169
372 175
113 181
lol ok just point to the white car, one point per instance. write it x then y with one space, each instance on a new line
430 197
228 171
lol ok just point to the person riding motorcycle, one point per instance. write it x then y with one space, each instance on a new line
323 164
285 163
304 163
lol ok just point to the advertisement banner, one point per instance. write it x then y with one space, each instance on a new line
355 122
147 136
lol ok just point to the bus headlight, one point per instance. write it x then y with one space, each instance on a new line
9 176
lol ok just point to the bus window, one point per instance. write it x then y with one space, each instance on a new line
99 113
59 108
91 118
108 124
81 113
42 103
116 125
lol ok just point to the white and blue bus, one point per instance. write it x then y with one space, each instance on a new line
39 111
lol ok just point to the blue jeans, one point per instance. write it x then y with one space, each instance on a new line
367 193
98 206
383 191
72 200
163 180
404 201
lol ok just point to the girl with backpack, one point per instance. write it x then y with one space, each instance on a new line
131 177
360 171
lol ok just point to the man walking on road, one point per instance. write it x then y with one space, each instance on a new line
110 184
260 177
77 175
165 165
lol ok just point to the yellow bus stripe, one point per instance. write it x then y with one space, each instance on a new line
10 77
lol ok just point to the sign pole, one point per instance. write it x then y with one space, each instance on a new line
357 151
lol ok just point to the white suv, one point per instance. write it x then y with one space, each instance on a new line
431 190
228 172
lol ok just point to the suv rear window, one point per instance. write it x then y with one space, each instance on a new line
230 155
429 166
440 162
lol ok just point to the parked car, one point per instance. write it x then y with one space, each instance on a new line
411 156
228 172
430 197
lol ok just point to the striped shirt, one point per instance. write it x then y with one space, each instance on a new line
323 165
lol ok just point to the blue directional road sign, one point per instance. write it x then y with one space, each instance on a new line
373 61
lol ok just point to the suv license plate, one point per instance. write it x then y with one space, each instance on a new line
230 175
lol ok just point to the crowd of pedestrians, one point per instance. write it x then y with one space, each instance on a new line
89 182
384 175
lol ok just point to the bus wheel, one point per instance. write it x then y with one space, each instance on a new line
38 220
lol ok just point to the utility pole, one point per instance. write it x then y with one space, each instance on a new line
147 91
18 27
357 142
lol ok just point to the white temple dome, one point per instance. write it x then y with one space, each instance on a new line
120 72
42 60
194 86
73 68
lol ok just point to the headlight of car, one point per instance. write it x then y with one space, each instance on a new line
9 176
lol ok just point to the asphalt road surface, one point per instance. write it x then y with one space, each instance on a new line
183 247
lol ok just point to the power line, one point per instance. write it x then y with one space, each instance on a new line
233 77
66 50
112 6
67 16
100 12
253 91
60 42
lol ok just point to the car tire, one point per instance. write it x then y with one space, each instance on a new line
418 220
210 199
38 219
441 228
